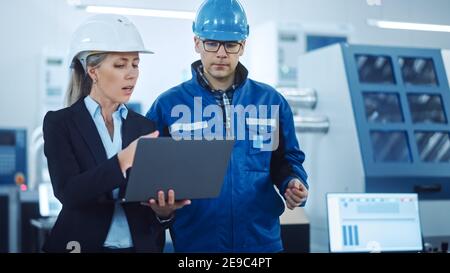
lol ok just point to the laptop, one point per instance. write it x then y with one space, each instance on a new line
194 169
369 222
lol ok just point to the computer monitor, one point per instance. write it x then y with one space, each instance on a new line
366 222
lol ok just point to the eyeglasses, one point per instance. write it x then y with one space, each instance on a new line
213 46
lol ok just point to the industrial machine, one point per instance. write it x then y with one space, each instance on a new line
389 129
13 177
274 48
9 219
13 157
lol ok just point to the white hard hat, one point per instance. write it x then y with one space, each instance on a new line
105 33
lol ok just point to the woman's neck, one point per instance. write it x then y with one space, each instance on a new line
107 106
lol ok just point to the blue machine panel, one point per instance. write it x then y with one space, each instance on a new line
13 159
314 42
401 101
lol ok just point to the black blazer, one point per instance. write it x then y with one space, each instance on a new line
83 180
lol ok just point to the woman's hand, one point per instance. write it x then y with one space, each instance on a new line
166 209
126 156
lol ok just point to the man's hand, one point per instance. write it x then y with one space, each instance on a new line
165 209
296 193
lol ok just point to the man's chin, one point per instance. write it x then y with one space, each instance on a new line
220 74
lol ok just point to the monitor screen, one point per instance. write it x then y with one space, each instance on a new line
366 222
7 138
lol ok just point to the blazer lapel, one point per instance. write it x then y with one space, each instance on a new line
130 129
88 130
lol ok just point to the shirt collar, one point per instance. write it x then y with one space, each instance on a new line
94 108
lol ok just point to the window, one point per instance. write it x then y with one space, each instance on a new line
418 71
375 69
426 108
390 146
382 108
433 146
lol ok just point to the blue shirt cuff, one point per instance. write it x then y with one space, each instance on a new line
285 184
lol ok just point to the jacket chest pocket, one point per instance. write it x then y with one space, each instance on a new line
261 139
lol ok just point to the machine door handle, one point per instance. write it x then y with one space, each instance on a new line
428 188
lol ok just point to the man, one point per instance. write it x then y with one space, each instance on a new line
221 102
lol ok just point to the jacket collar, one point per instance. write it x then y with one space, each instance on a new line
201 89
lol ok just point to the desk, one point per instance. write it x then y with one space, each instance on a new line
295 231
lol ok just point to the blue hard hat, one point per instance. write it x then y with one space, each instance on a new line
221 20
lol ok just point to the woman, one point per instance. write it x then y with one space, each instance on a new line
90 145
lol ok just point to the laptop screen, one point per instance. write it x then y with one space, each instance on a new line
366 222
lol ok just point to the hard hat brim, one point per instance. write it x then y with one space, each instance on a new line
222 36
146 51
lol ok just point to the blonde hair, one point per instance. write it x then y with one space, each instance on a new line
80 83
